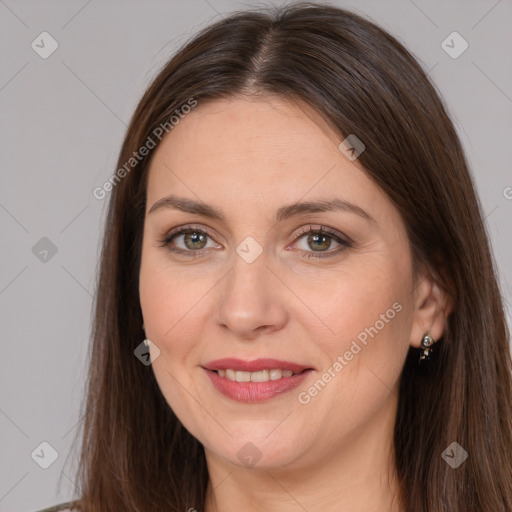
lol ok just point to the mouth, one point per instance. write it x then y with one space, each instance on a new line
255 381
258 376
235 369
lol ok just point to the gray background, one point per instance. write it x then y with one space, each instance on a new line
62 123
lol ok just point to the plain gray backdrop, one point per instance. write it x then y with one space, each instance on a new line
63 117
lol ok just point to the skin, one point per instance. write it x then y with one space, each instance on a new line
248 157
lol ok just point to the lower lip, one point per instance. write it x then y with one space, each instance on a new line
254 392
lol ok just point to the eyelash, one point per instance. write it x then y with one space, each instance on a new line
345 242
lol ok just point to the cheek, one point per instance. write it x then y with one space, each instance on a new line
168 301
368 319
367 300
171 306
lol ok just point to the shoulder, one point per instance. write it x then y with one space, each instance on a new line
70 506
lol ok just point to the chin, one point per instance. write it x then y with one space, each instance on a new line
259 453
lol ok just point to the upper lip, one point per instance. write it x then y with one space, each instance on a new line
255 365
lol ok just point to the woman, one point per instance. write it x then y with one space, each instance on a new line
297 307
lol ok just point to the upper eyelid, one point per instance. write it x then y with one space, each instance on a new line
182 229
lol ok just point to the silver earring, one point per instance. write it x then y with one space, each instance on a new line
426 343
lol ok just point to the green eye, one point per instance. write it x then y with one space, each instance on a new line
319 240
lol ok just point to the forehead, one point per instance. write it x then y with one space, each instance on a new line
262 127
246 149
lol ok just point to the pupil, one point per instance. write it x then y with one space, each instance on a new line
195 238
316 237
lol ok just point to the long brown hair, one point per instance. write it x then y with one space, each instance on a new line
135 453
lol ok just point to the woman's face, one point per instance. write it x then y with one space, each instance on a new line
247 281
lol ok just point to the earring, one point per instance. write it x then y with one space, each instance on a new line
426 342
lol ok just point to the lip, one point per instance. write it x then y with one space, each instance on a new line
255 365
255 392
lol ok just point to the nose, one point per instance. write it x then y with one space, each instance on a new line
251 300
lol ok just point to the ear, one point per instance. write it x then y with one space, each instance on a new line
432 306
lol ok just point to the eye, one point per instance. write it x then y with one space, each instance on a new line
320 240
193 242
187 240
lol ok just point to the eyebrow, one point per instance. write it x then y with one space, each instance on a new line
285 212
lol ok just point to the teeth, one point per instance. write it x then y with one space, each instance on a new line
261 376
275 374
243 376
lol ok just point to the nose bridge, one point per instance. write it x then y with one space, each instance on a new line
250 299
